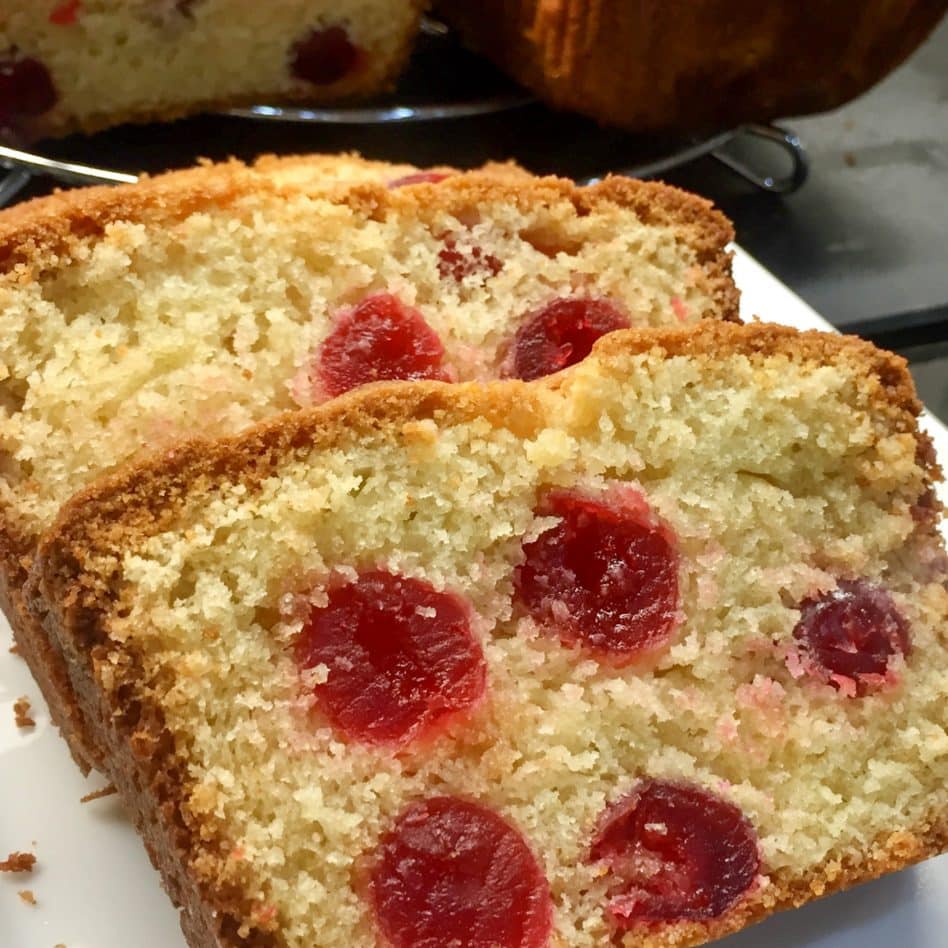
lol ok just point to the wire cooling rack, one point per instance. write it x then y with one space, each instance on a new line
448 97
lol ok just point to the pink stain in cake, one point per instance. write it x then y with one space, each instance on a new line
159 430
764 698
709 592
301 387
419 177
325 56
675 852
795 664
380 339
852 636
454 872
66 14
605 577
726 730
790 577
689 699
472 363
761 645
401 658
585 284
762 694
680 309
561 334
458 264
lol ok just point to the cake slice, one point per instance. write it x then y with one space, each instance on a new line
637 654
85 64
205 300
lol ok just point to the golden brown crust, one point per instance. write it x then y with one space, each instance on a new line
35 233
45 663
679 65
115 513
38 232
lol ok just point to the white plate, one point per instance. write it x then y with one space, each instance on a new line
95 887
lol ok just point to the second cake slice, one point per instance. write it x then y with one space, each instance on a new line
638 654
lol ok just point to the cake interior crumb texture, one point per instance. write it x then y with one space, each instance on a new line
109 60
197 302
781 463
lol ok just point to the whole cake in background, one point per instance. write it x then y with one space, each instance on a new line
85 64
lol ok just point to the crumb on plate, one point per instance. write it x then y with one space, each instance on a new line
18 862
21 710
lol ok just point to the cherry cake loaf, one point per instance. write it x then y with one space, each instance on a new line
636 654
84 64
205 300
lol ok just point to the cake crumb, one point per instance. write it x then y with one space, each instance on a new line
18 862
14 649
106 791
26 895
21 710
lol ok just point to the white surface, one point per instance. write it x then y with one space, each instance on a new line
95 887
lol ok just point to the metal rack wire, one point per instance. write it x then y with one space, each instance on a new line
22 166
